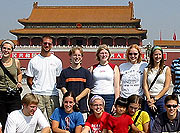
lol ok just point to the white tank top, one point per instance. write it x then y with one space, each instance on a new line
103 77
160 81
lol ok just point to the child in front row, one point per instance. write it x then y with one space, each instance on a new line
120 122
97 121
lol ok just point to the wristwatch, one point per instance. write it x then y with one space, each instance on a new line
155 99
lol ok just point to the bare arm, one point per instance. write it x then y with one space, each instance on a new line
30 82
46 130
145 85
116 82
146 127
104 131
109 131
78 129
19 73
91 69
166 84
82 94
134 128
86 129
63 89
56 129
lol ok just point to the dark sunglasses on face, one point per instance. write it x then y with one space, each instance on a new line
47 43
133 53
169 106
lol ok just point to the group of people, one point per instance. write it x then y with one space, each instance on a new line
119 99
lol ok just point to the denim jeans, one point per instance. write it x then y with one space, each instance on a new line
109 101
160 108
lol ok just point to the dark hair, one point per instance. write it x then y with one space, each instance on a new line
70 94
29 98
171 97
134 99
121 102
151 62
47 37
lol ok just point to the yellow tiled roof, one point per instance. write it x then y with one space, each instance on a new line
81 14
79 31
166 43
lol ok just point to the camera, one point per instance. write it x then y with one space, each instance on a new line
11 91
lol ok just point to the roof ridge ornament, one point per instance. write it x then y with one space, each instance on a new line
35 4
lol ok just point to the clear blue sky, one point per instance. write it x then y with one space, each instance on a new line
155 15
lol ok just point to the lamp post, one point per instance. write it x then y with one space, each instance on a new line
148 51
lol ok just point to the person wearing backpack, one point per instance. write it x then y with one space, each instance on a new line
141 118
105 78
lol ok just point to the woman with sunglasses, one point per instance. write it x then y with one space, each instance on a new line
67 119
156 83
131 73
141 118
10 98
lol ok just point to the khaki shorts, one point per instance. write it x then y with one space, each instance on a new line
48 104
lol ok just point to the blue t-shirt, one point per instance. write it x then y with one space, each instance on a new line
67 121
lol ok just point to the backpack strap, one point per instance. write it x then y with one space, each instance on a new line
130 130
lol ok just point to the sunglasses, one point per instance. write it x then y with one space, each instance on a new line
47 43
133 53
169 106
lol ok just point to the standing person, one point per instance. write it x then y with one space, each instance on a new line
168 121
97 121
76 79
175 71
26 119
120 122
141 118
42 72
132 72
105 77
67 118
10 98
157 79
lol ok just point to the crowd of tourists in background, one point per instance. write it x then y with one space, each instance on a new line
136 97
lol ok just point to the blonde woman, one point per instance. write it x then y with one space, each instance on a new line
105 77
132 72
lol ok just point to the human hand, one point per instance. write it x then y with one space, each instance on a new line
19 84
153 108
113 110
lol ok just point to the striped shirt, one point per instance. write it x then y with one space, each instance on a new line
175 69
